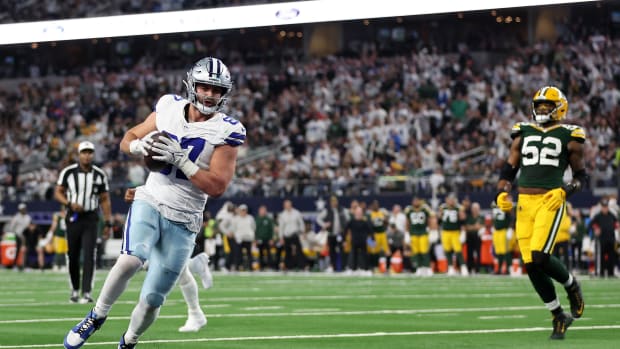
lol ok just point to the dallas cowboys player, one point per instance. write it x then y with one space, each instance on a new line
167 211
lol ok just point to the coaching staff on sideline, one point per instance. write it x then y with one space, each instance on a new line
83 187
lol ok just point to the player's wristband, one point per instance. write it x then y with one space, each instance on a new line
188 168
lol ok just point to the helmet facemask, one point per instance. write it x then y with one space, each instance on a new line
544 117
557 105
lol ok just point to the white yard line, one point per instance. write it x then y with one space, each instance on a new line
324 336
324 313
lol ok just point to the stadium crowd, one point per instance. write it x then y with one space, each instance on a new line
328 125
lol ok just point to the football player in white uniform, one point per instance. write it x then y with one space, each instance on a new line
201 152
199 265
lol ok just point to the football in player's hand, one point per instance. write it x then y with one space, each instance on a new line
149 162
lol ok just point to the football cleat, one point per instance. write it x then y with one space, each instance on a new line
576 299
123 345
200 265
560 325
194 323
83 330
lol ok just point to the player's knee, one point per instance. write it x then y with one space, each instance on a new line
154 300
539 258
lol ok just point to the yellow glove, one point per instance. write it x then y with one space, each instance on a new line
554 198
503 203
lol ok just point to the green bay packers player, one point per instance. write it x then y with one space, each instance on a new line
502 233
378 219
420 218
452 216
542 151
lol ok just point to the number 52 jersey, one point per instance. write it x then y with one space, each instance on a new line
169 190
544 153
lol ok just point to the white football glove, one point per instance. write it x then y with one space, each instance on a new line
139 146
171 152
433 236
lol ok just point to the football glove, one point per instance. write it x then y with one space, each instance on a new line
554 198
503 203
139 146
171 152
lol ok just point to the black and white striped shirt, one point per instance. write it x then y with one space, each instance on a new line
83 188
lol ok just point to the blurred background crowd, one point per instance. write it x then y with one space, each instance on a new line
399 107
416 106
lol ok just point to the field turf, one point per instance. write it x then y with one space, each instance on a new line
315 310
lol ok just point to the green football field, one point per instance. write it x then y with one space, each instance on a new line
321 311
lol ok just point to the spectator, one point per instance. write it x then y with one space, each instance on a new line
359 231
290 226
58 228
333 219
225 222
244 228
34 243
474 227
265 234
17 225
605 226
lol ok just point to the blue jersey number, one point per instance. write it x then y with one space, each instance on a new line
230 120
195 146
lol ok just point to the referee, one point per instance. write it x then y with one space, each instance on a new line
83 187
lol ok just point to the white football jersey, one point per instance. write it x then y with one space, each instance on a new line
169 190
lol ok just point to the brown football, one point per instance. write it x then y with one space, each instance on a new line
155 165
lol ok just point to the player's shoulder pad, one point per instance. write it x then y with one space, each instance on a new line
518 128
169 99
576 132
233 131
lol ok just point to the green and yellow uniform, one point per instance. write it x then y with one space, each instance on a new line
378 221
450 228
418 218
60 234
501 223
501 245
544 158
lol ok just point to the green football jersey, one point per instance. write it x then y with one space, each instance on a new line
418 219
501 219
544 153
450 217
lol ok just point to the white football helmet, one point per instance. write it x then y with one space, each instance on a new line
208 71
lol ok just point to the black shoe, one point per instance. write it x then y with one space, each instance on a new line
74 297
560 325
576 299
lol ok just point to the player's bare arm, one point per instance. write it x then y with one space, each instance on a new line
130 193
137 132
215 180
511 166
577 165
